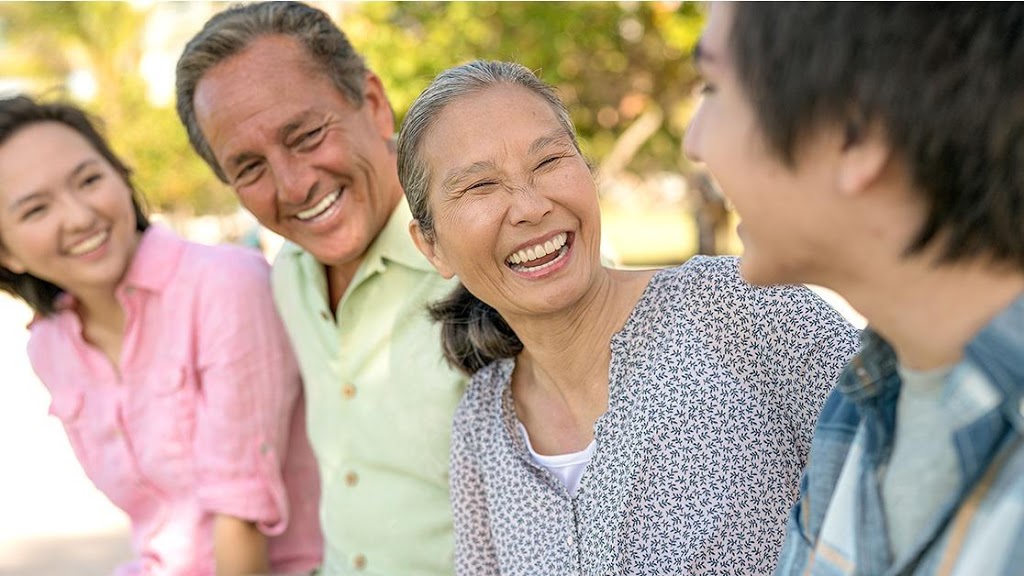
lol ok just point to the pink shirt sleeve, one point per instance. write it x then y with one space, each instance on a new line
249 389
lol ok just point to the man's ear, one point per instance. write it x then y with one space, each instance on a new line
863 159
376 101
428 246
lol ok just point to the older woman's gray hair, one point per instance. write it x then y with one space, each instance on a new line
473 334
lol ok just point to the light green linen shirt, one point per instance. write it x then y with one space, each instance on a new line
380 400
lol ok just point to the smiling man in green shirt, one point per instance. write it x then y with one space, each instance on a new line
283 109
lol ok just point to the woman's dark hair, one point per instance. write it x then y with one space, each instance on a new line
18 113
945 81
473 334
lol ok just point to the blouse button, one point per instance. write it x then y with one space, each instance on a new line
351 479
569 540
359 562
348 391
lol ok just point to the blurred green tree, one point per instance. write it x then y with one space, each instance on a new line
623 68
55 43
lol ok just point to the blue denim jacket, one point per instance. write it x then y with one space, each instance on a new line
838 524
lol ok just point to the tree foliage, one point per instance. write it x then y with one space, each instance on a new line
617 66
612 62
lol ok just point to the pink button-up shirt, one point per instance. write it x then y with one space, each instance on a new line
204 416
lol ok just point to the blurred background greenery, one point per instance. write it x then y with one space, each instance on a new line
623 68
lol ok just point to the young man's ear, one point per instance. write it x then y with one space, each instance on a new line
863 159
426 244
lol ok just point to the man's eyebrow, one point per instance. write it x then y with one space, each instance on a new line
283 133
289 128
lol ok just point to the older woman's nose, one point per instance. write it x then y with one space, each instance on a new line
529 205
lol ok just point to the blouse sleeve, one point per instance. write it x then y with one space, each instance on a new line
835 343
249 389
474 548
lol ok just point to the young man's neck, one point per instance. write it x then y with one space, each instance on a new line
930 312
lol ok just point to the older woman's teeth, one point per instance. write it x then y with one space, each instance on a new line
319 208
539 251
89 244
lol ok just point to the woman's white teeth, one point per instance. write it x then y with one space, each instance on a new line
89 244
539 251
319 208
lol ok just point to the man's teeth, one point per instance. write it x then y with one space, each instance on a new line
319 208
89 244
538 251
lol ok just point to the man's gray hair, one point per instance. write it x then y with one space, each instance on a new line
232 31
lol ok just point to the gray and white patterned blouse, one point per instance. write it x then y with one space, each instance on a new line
714 390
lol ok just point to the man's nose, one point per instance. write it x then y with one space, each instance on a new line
295 182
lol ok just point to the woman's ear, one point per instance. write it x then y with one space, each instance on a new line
9 261
426 243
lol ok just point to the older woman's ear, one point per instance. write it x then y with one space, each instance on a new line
425 241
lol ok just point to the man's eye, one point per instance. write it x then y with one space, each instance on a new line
311 138
247 173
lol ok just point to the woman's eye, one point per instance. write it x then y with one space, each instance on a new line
33 211
707 88
480 185
549 161
91 179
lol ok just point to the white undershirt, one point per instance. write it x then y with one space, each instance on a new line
567 467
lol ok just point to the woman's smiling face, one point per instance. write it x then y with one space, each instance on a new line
515 208
66 214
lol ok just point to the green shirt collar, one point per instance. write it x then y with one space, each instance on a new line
392 244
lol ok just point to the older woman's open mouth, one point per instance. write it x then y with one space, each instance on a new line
541 256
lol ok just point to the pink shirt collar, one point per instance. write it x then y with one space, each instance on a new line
154 264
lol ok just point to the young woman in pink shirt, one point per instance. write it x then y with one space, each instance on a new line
166 361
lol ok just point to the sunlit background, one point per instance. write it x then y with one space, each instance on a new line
622 68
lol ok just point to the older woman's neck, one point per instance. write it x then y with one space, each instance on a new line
573 345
